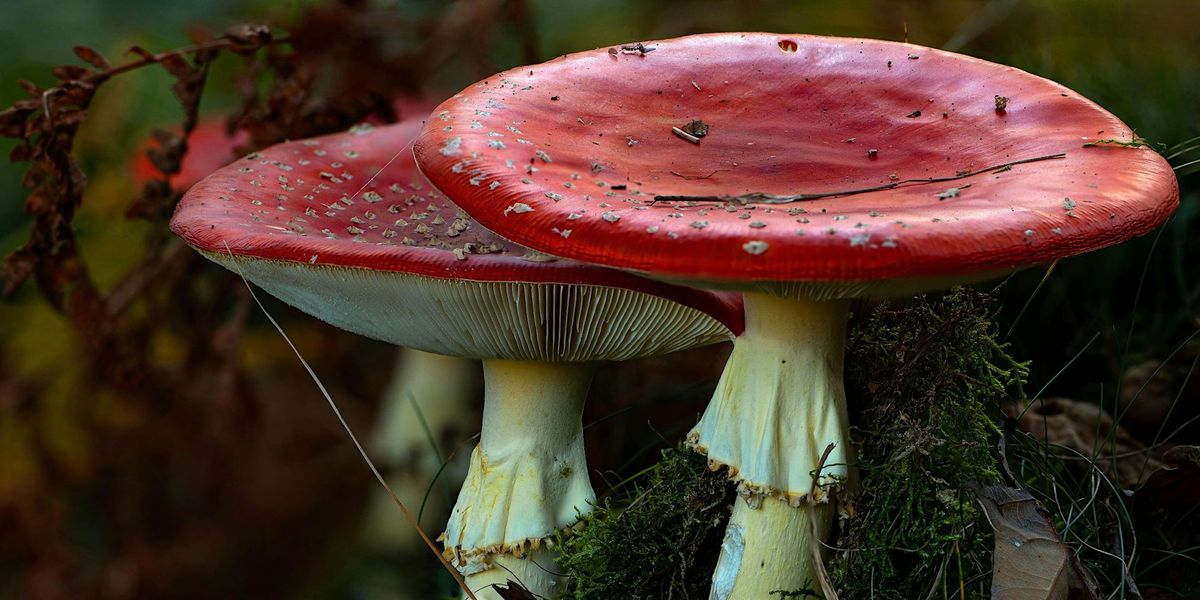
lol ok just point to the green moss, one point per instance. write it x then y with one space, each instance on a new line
662 541
925 378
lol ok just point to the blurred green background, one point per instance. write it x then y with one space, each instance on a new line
273 505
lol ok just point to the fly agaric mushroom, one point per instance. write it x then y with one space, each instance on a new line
344 228
829 169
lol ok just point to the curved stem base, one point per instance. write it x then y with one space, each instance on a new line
779 421
528 477
770 548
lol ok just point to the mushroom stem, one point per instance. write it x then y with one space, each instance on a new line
778 408
528 477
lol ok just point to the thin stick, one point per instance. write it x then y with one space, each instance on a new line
685 135
765 198
321 386
815 542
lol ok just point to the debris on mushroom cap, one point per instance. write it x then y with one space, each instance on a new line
622 114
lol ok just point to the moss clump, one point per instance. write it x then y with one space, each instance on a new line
925 378
661 542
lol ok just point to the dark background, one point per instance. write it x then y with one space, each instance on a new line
236 480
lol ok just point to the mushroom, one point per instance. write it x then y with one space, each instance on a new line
817 182
344 228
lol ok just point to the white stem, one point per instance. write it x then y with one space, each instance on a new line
442 388
528 477
770 548
778 407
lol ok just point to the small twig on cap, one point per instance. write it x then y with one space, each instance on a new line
685 135
691 177
765 198
638 48
1136 142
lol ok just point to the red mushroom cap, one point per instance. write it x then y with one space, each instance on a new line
356 203
586 141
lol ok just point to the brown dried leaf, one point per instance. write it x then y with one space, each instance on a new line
141 52
1175 487
91 57
30 88
12 121
167 158
39 202
164 160
1030 562
1089 430
188 92
177 64
66 73
155 202
203 57
21 152
17 268
166 138
513 591
69 118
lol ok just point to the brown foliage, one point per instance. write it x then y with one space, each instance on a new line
173 488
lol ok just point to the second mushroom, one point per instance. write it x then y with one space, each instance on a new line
832 169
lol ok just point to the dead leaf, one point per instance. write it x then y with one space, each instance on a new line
70 72
1030 562
1089 430
1175 487
1155 391
91 57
